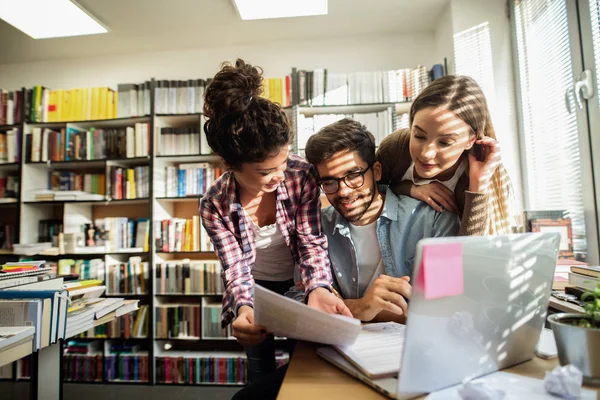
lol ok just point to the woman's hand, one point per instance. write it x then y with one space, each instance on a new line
322 299
244 329
481 172
438 196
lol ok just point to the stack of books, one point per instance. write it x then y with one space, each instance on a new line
44 309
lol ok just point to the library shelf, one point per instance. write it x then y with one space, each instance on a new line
188 295
121 339
96 122
187 158
9 166
106 202
100 163
126 296
179 199
7 127
9 201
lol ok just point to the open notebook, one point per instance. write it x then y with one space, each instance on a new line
377 350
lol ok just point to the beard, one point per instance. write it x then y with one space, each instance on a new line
354 207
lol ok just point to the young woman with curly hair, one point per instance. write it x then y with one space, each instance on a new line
263 213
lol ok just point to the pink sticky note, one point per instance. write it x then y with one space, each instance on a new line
441 273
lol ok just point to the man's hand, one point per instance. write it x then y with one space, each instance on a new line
245 331
386 294
322 299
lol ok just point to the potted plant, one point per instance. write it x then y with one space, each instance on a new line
578 337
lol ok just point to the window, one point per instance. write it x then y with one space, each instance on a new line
552 166
473 57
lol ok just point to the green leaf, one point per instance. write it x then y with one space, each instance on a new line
587 295
589 308
597 291
596 316
584 323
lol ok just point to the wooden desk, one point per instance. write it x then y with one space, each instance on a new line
310 377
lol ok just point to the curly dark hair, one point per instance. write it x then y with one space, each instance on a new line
241 126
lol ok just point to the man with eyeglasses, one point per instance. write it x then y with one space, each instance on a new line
372 233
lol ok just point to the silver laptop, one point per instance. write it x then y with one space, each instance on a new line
493 324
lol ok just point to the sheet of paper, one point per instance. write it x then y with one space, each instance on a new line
516 387
441 273
289 318
378 349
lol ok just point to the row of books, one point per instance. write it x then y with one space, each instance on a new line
134 99
129 183
86 269
179 97
82 367
71 144
8 236
177 321
83 362
211 321
10 107
319 87
132 325
118 233
278 90
189 277
178 234
182 141
68 180
10 146
127 366
80 104
378 123
130 277
48 230
224 368
189 179
9 187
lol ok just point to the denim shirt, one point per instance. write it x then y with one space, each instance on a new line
403 222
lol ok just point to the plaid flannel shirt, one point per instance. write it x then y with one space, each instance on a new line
298 216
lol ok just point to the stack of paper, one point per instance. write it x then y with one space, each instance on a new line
290 318
378 349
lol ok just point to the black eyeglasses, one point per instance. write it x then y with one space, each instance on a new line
353 180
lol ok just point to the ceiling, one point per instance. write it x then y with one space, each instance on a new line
138 26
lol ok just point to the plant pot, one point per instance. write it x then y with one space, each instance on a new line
578 346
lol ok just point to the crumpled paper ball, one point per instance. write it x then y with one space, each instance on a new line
479 390
564 382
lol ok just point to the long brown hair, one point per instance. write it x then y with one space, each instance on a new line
463 96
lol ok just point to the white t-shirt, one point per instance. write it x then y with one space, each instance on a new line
368 255
274 261
409 175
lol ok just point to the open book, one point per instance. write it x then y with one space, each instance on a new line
378 349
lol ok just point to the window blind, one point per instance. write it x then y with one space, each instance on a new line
550 134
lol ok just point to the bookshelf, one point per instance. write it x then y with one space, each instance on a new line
172 160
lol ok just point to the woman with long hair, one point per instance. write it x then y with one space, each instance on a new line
450 157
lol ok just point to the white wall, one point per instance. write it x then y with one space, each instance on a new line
467 14
349 54
443 38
